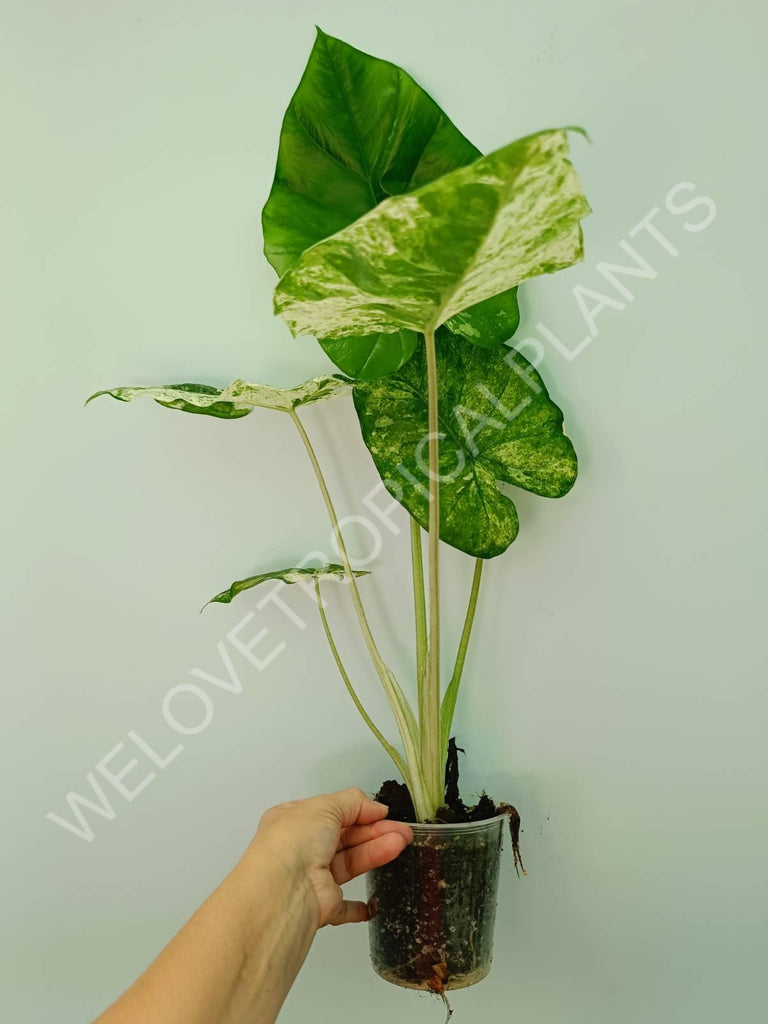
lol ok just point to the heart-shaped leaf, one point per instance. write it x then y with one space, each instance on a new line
357 130
417 260
236 400
303 575
497 423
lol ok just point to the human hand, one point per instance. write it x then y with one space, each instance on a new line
328 840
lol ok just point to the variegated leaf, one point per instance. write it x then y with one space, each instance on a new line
417 260
236 400
303 575
497 423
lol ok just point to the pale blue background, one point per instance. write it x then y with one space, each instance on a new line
616 688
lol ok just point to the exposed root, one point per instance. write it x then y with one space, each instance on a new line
447 1005
514 833
437 982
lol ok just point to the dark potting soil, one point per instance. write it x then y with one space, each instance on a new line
433 908
454 811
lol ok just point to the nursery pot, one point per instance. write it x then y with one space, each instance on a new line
432 910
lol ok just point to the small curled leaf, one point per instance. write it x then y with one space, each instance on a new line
294 575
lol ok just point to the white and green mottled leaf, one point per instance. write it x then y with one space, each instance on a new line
263 396
294 575
417 260
497 423
237 400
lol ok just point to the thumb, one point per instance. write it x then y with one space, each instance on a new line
350 912
353 807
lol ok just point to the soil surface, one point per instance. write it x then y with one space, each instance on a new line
397 798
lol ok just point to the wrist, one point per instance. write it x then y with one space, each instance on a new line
267 873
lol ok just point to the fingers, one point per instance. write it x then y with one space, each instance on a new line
357 834
353 807
356 860
350 912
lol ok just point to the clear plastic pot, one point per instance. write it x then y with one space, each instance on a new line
432 910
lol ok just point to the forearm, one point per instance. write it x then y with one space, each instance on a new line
235 960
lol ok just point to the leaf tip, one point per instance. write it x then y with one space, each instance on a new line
579 131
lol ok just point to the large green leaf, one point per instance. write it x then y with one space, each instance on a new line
417 260
357 130
497 423
303 575
236 400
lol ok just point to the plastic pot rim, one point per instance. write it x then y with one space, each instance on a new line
421 828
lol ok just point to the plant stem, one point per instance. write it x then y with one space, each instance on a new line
420 611
366 629
430 721
393 753
401 709
452 692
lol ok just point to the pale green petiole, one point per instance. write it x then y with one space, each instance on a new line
430 710
420 611
393 753
452 692
398 702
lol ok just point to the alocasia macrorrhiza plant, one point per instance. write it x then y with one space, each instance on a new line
400 248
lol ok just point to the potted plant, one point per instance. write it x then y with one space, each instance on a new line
400 248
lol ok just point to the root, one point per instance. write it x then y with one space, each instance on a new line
447 1005
514 834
